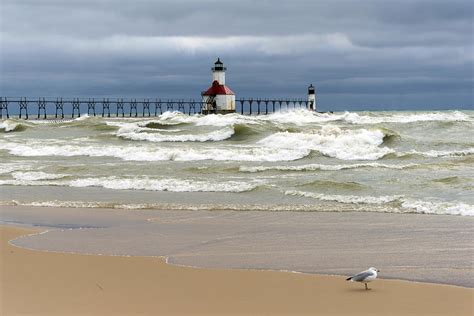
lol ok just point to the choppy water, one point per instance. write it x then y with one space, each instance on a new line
403 162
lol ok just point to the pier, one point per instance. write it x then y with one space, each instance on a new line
217 99
60 108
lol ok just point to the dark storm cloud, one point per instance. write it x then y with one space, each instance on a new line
358 53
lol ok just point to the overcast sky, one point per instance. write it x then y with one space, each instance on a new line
360 54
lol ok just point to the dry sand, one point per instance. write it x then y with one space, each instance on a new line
41 283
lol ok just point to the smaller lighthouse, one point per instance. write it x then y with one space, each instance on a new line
311 98
218 99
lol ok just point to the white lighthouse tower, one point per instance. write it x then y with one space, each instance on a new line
218 98
218 72
311 98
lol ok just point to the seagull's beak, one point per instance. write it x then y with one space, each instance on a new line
378 270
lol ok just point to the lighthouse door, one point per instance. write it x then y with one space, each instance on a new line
211 104
214 106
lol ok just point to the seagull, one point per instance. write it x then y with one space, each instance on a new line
365 276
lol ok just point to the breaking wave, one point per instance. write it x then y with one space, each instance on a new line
337 203
333 185
370 118
315 167
148 153
173 185
36 175
281 146
352 199
336 157
137 183
302 117
12 126
168 119
441 208
334 142
440 153
137 133
9 167
293 117
396 203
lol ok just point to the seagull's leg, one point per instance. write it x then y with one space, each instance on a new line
366 287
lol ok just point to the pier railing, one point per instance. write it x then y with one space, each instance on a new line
41 108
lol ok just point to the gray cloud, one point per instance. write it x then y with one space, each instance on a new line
358 53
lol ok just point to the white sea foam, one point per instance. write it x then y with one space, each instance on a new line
441 153
220 120
173 185
408 205
137 133
57 203
442 208
292 116
174 117
217 120
83 117
334 142
455 116
353 199
315 167
8 167
141 127
24 182
347 203
154 153
163 206
301 116
9 125
137 183
36 175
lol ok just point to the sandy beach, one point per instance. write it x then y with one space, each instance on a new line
45 283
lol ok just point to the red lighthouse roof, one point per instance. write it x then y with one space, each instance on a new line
218 89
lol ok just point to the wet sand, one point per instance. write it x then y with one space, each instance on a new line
425 248
45 283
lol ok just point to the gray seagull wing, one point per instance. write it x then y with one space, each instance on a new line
362 276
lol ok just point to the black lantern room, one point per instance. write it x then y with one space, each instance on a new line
218 66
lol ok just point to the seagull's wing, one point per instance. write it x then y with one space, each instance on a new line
362 276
